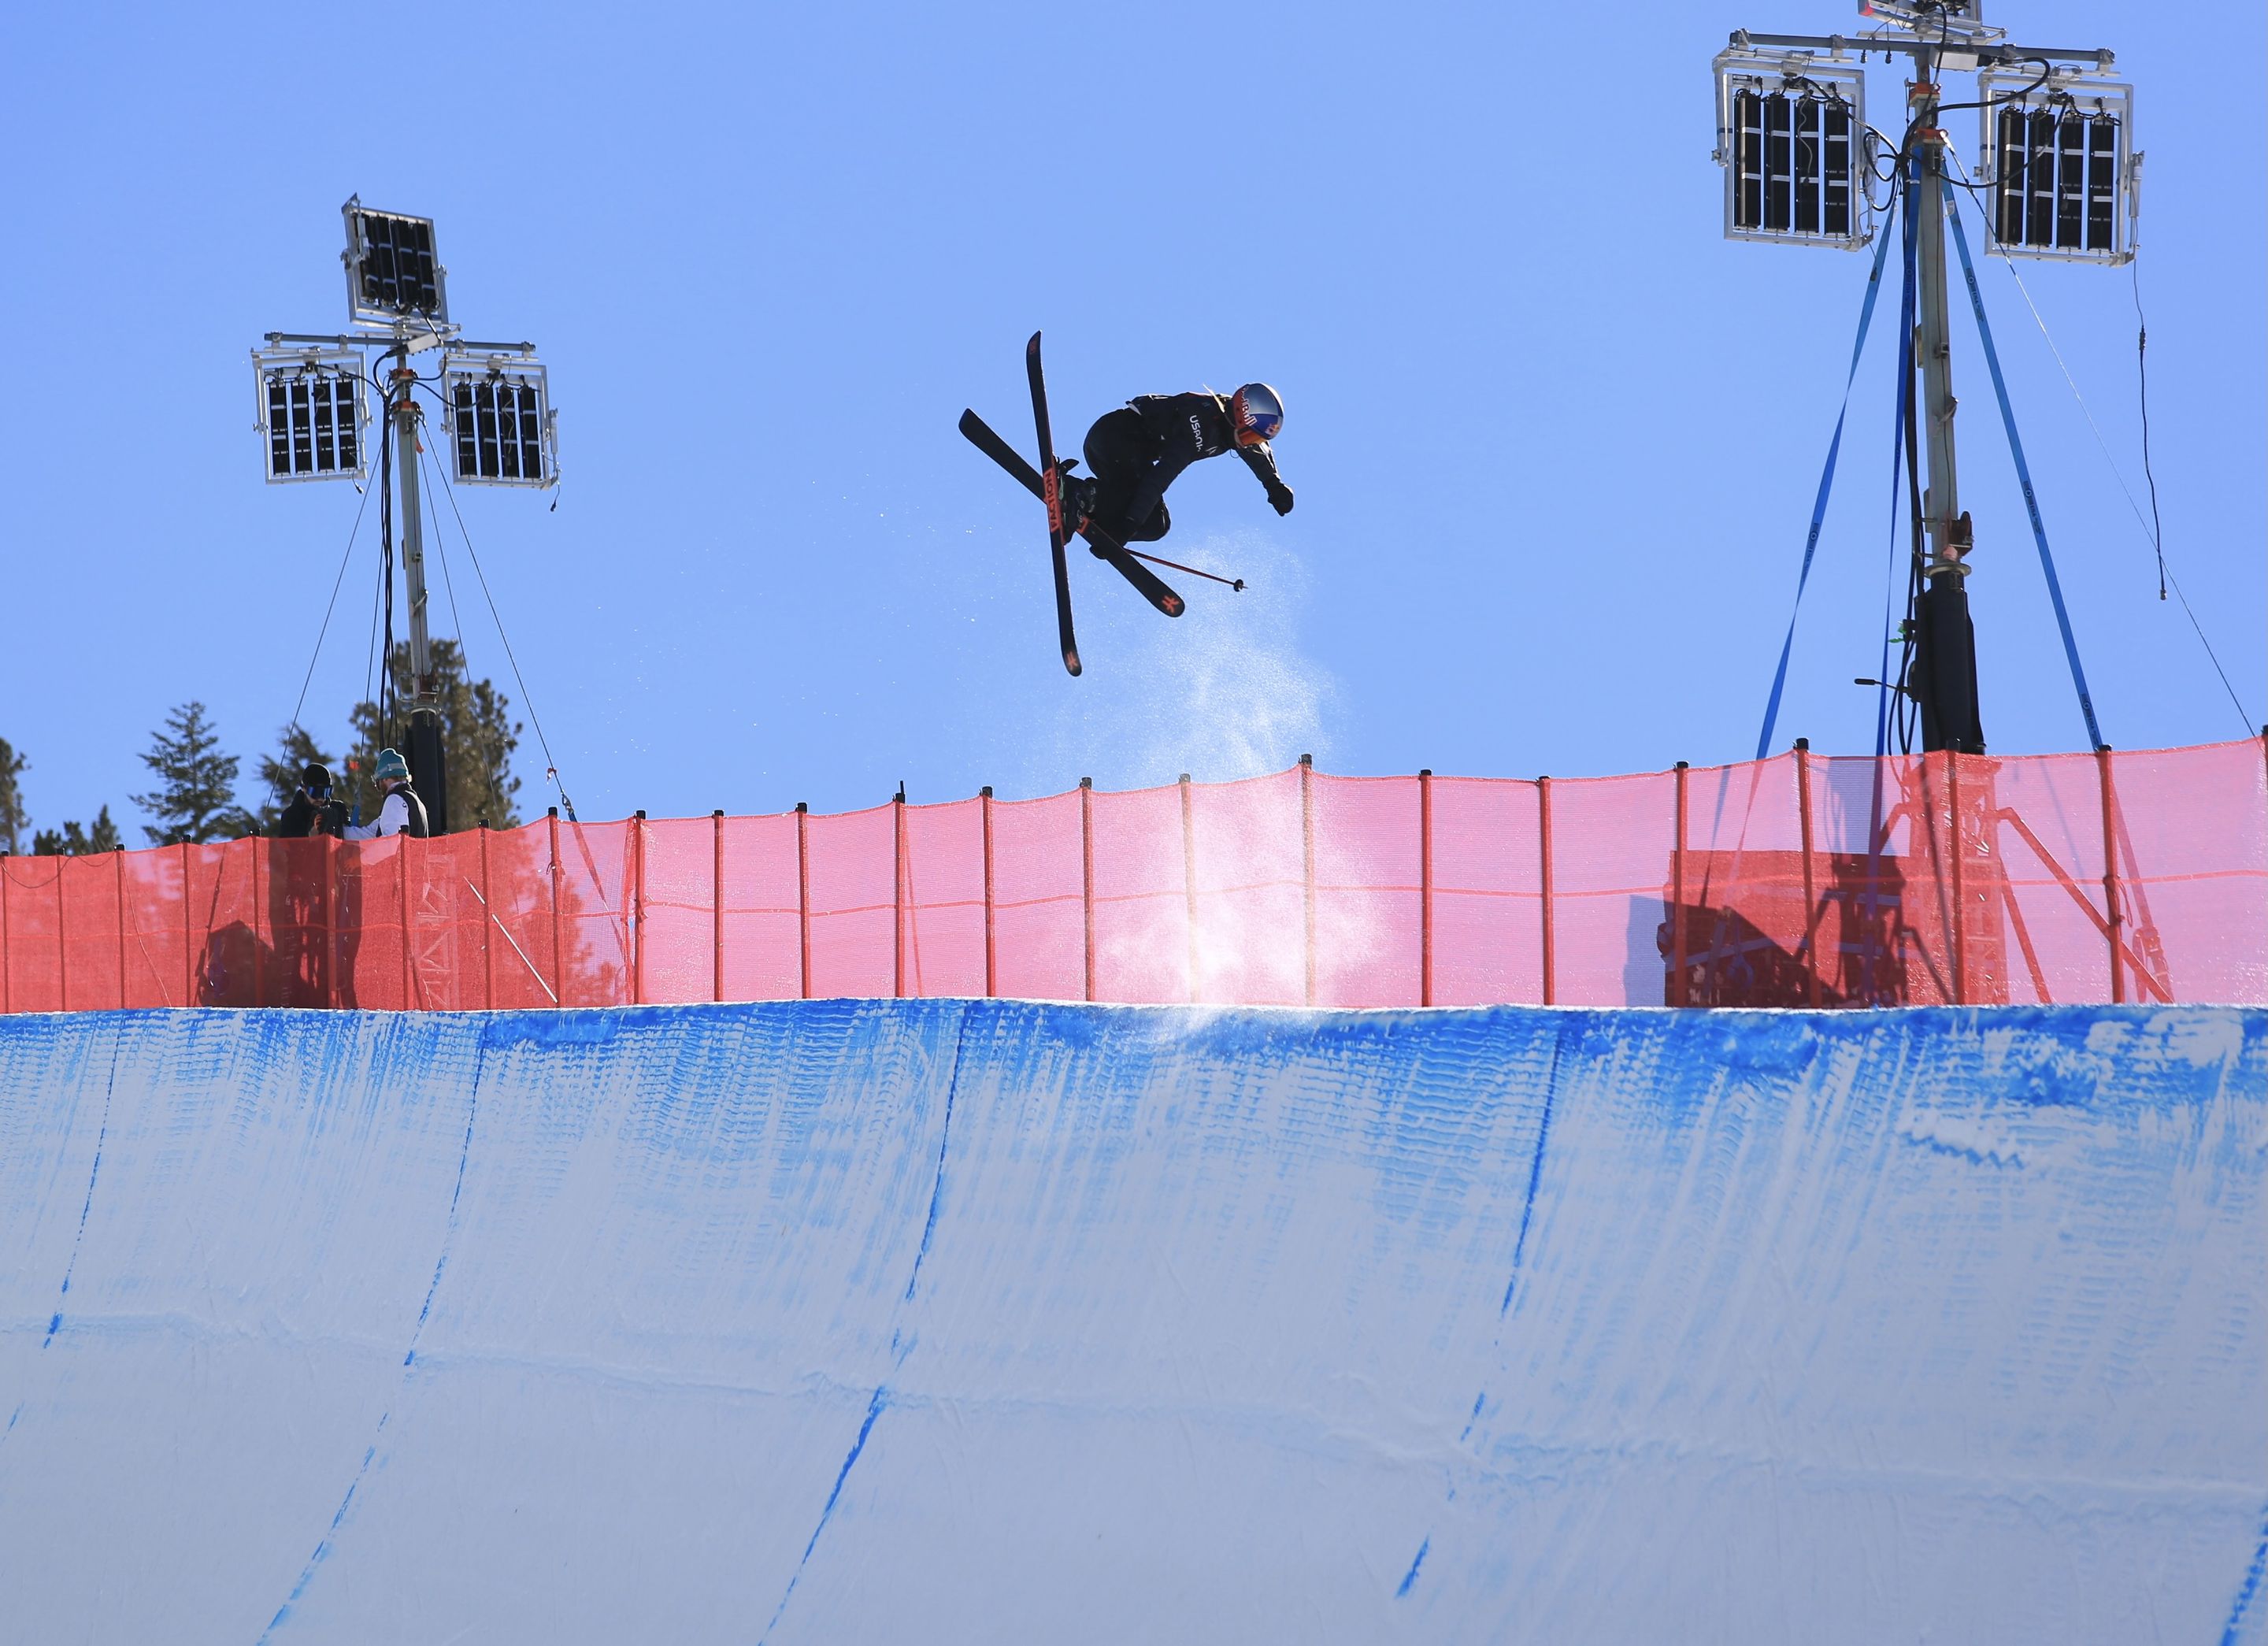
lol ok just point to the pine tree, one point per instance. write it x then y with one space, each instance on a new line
296 750
71 840
195 796
478 735
14 820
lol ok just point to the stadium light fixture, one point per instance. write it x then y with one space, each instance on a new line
393 272
314 410
2056 153
501 431
1792 139
310 412
2058 178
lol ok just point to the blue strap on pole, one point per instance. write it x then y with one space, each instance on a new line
1826 485
1908 302
1870 950
2023 471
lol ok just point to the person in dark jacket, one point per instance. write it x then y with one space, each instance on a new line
312 811
1136 451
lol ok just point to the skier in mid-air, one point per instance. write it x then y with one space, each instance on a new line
1136 451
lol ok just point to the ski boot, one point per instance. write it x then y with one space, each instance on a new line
1078 494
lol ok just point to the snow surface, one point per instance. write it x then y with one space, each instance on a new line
870 1320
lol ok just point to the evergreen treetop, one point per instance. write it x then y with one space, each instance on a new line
195 796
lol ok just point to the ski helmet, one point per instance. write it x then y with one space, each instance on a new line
1259 412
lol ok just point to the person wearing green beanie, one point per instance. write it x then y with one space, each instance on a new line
400 812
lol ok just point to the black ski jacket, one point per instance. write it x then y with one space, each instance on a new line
1188 427
302 818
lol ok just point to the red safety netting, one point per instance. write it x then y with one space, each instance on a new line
1796 880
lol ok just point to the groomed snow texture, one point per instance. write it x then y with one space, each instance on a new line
951 1321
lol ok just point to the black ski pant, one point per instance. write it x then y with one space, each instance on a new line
1121 453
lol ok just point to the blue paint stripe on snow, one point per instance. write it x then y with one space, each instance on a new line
1410 1577
1535 1169
873 1411
94 1173
409 1357
2249 1590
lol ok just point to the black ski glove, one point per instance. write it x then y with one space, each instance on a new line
1279 497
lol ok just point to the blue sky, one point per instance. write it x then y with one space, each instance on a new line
1554 438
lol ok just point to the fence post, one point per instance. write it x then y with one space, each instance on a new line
491 923
259 915
803 889
898 894
1681 992
7 970
716 904
2114 918
1426 886
1086 873
331 919
188 948
1190 879
1543 809
1307 864
637 905
559 943
984 815
408 929
1810 895
62 939
118 876
1953 851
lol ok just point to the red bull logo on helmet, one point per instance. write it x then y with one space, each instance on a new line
1259 413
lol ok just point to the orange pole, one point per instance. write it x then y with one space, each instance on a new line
491 922
408 959
119 875
1189 878
559 945
1307 863
1953 851
1086 873
2113 912
1543 809
985 812
1426 886
1810 894
1681 992
803 889
7 997
898 896
637 918
259 915
189 947
63 945
331 916
717 901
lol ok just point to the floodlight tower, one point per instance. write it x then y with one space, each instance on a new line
2057 161
494 398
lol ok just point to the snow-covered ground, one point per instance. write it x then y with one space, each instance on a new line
1002 1321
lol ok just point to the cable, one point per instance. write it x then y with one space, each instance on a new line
337 583
2142 380
2151 527
369 667
441 548
551 765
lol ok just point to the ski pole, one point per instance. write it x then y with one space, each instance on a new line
1235 583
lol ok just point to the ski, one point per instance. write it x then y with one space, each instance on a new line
1146 582
1051 494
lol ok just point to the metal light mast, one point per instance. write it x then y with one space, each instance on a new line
494 398
2056 159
